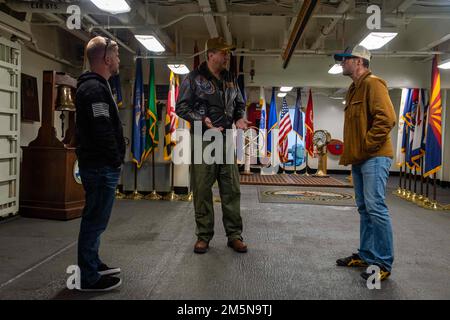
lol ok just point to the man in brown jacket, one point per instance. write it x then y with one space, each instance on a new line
369 119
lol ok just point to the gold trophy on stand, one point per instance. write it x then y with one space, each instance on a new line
320 139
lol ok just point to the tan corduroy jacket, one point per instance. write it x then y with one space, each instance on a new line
369 119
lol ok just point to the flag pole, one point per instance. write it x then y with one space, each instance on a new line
188 197
172 196
135 195
399 189
306 164
421 196
414 195
295 155
153 195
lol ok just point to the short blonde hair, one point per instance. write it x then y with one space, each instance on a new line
96 49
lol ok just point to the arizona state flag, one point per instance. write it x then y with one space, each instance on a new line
309 124
171 122
433 146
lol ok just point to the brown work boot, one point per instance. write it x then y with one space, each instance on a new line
201 246
237 245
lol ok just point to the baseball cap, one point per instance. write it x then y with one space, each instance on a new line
218 43
357 51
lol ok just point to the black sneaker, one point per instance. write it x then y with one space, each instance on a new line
104 270
105 283
353 261
382 275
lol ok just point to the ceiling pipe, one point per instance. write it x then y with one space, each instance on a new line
110 35
306 53
222 8
405 5
325 30
344 16
62 24
205 7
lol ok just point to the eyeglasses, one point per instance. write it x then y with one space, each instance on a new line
108 42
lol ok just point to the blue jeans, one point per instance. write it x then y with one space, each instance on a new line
99 186
376 240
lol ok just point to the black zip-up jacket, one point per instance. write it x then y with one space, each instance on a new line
99 133
200 97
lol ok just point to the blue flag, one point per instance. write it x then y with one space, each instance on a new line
273 122
298 116
139 124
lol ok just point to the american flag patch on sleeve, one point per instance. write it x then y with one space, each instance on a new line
100 109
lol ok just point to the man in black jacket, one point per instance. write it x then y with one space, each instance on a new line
210 96
100 151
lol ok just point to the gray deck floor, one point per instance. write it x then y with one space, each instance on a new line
292 253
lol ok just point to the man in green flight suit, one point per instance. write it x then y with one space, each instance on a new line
210 95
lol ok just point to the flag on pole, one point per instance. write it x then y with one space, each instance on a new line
152 140
262 135
407 123
400 155
411 121
417 143
285 128
171 123
433 146
298 116
273 121
309 123
139 123
116 90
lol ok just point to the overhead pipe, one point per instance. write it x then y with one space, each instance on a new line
327 29
205 6
222 7
110 35
343 16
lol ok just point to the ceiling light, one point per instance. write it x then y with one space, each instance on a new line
444 64
112 6
150 43
335 69
281 94
286 89
344 102
178 68
376 40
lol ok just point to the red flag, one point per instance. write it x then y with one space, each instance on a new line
309 123
433 145
197 57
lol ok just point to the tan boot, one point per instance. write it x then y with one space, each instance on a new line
237 245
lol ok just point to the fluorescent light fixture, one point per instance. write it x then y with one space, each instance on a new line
444 64
281 94
286 89
112 6
376 40
150 43
335 69
178 68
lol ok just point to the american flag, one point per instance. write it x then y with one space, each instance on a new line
285 128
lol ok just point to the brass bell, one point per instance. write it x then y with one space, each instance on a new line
64 101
